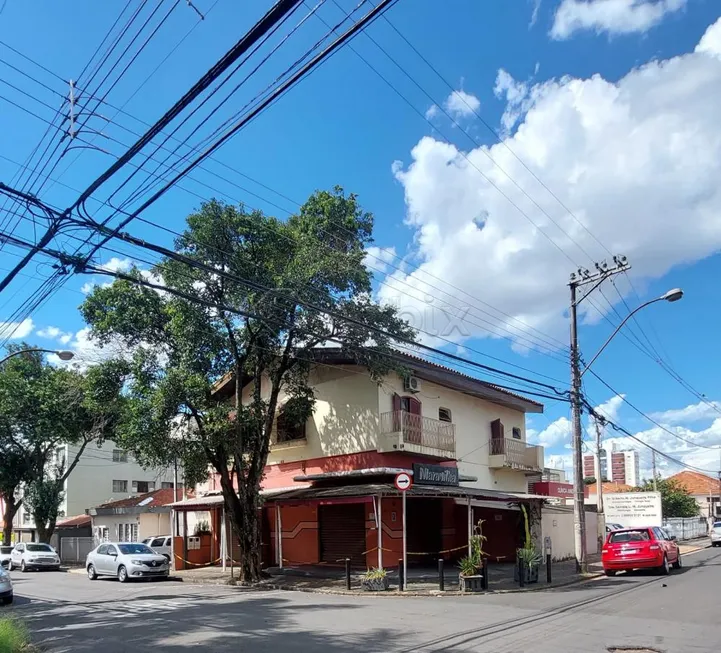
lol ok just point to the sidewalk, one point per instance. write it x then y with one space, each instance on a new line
420 581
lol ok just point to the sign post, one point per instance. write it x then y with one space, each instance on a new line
403 483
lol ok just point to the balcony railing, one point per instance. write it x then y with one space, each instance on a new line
419 430
517 454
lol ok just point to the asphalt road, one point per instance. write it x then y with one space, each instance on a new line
67 612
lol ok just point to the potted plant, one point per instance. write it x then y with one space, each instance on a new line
528 557
375 580
470 577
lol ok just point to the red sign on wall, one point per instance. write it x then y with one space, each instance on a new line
560 490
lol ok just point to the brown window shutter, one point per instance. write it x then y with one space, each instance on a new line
497 429
396 402
414 406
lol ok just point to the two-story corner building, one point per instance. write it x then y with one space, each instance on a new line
329 487
103 473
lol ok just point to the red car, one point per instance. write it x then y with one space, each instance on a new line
640 548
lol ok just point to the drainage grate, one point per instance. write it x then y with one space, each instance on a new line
631 649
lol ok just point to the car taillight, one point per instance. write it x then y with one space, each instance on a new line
604 550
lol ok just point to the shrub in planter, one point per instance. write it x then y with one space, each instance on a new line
529 557
375 580
470 578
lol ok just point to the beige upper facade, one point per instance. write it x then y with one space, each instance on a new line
447 416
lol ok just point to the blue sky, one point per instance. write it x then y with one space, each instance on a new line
606 102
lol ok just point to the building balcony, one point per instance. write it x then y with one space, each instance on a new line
404 431
515 454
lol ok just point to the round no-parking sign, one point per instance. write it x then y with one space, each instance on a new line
403 481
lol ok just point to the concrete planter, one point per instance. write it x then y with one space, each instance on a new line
375 584
471 583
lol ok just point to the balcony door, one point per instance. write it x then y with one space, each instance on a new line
407 416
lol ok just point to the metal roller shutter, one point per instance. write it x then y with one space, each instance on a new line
343 533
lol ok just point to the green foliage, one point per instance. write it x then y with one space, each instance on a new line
375 574
675 500
589 480
205 383
470 565
202 528
13 636
528 554
41 408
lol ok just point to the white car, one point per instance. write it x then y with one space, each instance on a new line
33 555
126 561
160 544
5 555
6 587
716 534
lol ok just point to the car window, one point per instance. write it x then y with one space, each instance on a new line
134 549
20 548
45 548
111 549
158 541
102 549
636 535
167 541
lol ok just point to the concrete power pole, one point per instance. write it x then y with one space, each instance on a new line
599 480
581 278
653 466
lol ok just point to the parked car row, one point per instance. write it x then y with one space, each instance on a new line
650 547
716 534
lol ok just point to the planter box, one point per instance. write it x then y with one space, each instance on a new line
471 583
530 574
375 584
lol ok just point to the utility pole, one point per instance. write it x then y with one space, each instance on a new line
581 278
599 421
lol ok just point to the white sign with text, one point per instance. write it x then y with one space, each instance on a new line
633 508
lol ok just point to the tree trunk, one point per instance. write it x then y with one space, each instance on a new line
45 531
243 512
11 509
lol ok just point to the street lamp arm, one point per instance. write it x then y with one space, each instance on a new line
64 355
617 329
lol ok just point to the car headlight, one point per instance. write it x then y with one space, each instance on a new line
138 562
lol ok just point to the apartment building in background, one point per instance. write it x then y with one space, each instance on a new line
623 467
103 474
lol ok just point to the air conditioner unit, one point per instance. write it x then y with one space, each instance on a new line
412 384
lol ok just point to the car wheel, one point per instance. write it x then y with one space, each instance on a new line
92 574
7 600
122 574
678 564
23 566
664 568
609 572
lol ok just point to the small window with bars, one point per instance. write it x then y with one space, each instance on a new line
444 415
120 456
516 433
120 486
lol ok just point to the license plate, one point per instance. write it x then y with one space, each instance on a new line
626 552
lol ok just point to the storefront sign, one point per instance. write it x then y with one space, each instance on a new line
434 474
552 489
633 508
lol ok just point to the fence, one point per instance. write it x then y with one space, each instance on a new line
75 549
686 528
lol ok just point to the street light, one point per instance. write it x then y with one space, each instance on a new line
584 277
62 354
671 296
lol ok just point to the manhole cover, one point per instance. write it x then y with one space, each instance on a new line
631 649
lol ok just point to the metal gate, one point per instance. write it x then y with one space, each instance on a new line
342 533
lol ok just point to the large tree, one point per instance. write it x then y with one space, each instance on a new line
238 307
43 408
675 499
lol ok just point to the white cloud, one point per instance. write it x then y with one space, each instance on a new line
557 433
87 287
116 264
611 16
54 333
710 42
432 112
378 258
609 409
632 159
534 13
16 330
460 104
692 413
